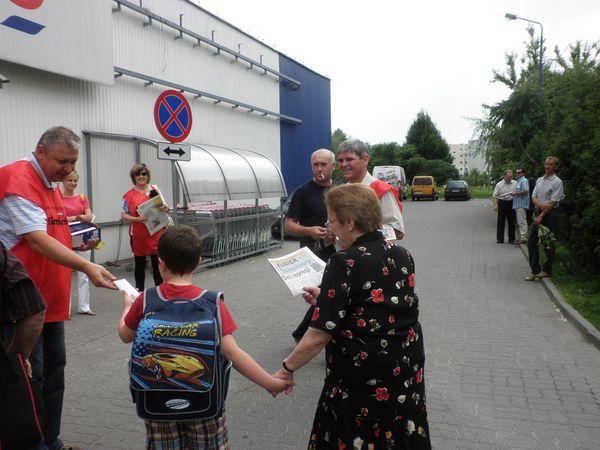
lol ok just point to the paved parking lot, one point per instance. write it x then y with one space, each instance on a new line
504 369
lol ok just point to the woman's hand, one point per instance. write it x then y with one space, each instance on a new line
310 294
142 219
279 385
288 380
89 245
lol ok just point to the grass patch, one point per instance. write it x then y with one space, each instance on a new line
578 285
481 192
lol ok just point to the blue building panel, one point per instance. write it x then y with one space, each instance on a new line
312 104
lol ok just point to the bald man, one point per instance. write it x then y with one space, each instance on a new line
307 215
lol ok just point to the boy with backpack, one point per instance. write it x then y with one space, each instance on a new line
182 348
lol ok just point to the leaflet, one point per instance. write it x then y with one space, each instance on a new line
155 218
298 269
125 286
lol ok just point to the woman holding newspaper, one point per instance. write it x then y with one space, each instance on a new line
367 315
77 207
143 242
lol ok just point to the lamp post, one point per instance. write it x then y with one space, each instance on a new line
510 16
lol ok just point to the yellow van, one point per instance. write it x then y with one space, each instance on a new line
423 186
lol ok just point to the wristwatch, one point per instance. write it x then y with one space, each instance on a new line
286 368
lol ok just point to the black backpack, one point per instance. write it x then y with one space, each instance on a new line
177 369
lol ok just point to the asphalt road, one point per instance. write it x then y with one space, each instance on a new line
504 369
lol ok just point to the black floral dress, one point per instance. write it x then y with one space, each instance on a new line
374 392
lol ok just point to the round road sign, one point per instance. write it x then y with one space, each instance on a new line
173 116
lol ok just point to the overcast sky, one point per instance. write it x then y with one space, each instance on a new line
389 59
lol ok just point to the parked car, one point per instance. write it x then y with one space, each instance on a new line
276 226
457 189
423 186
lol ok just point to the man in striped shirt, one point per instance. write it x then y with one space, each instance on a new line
521 204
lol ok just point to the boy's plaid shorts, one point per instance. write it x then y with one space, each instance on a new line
202 434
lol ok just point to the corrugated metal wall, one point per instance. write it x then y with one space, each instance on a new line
312 104
35 100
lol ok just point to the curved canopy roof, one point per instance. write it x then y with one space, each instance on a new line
218 173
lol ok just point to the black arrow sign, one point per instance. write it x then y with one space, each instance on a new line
170 151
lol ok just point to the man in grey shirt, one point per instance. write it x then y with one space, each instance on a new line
547 194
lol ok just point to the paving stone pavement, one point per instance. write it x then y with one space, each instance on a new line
504 369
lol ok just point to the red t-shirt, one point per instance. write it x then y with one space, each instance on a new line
172 291
75 204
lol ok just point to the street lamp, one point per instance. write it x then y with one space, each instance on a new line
510 16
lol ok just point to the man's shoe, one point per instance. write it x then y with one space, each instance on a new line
530 277
543 274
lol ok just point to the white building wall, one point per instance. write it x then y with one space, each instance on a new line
35 100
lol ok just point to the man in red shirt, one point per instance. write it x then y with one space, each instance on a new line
33 224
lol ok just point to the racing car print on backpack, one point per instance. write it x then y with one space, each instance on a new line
177 369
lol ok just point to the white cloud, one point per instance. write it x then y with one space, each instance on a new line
389 59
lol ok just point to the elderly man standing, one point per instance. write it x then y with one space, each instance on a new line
353 158
503 204
307 216
547 194
33 224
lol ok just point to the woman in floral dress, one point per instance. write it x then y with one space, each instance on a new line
367 315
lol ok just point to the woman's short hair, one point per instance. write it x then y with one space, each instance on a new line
136 169
357 202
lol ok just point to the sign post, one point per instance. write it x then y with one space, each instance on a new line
173 119
174 152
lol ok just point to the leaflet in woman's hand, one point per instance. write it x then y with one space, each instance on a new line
298 269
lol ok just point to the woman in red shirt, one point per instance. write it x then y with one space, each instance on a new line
142 242
77 207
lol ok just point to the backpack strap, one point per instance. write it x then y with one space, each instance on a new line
214 297
152 300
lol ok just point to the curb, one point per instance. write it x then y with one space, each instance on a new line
586 328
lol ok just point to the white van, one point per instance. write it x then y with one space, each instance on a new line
393 175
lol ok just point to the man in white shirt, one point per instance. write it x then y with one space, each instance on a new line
353 158
547 194
503 204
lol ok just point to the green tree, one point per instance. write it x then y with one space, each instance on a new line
386 154
337 138
525 128
427 139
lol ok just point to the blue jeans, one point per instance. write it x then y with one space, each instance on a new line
48 359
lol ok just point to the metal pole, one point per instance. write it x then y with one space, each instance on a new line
541 58
175 187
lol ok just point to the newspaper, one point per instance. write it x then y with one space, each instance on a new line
298 269
155 218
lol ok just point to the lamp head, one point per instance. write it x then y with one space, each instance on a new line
510 16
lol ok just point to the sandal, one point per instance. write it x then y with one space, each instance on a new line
87 313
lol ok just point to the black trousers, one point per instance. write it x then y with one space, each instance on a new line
505 212
550 220
139 270
48 359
